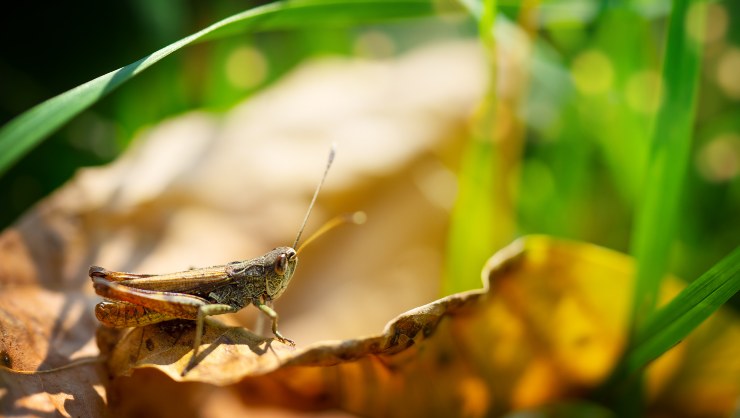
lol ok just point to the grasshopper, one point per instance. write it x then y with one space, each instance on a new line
135 300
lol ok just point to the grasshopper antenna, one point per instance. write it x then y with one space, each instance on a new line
332 151
357 218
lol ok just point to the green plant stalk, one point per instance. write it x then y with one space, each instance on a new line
27 130
472 226
672 323
470 240
656 217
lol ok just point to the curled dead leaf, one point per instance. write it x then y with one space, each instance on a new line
549 327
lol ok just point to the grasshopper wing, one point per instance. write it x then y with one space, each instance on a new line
195 282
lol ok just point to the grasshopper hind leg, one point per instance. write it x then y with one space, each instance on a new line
124 315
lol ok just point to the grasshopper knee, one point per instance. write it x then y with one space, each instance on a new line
97 271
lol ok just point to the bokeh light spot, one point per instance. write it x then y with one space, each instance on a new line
438 184
728 72
706 22
644 91
719 159
696 22
592 72
246 67
717 22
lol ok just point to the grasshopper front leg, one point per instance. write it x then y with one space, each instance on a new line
260 304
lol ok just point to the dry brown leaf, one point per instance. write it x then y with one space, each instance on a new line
198 191
549 328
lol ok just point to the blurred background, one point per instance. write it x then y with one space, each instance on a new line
587 110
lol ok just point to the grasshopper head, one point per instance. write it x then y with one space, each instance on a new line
282 261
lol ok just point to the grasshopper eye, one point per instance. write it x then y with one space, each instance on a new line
281 264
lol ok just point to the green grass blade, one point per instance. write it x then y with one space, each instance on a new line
471 237
657 213
665 328
470 241
21 134
669 156
672 323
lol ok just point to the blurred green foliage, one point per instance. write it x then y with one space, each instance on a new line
590 124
